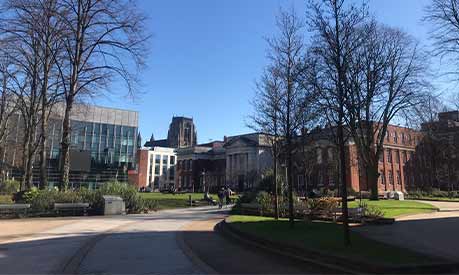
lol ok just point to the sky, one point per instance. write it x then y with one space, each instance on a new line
205 56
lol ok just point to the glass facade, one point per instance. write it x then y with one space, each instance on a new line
109 145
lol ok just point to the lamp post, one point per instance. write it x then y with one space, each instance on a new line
203 175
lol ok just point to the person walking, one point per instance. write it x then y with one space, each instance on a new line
228 193
221 197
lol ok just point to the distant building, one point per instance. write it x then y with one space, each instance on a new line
436 161
247 159
155 169
317 166
201 165
103 145
182 133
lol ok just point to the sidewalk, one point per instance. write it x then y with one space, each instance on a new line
226 257
19 228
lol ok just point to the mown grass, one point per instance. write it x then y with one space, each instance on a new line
394 208
326 238
172 201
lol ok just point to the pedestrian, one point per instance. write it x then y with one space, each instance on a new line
228 193
221 197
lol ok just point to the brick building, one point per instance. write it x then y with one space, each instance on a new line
201 165
317 164
436 161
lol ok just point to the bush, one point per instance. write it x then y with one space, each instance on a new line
43 200
323 204
265 203
10 186
371 212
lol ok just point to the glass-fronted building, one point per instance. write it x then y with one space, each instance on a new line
103 145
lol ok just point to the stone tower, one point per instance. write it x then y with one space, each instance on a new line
182 133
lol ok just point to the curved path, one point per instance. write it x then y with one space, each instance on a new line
168 242
430 233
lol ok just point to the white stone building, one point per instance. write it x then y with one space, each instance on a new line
247 158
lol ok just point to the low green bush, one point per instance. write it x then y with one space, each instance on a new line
264 201
42 200
9 186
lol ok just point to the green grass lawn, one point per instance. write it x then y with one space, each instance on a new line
5 199
394 208
171 201
325 237
436 199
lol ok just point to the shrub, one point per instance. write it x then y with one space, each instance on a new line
265 202
9 186
43 200
248 197
371 212
322 205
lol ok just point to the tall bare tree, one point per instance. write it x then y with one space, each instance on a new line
334 27
103 39
387 80
266 119
443 15
287 52
7 105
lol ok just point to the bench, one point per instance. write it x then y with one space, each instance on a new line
79 207
14 209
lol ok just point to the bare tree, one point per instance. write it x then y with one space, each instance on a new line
266 119
386 79
103 39
287 58
335 37
7 105
444 17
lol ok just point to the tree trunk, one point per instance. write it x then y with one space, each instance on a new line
43 172
290 188
372 177
342 157
276 189
65 154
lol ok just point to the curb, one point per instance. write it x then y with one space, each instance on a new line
338 264
191 255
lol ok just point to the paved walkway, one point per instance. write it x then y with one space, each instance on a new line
430 233
167 242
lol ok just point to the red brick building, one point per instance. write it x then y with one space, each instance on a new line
317 164
200 165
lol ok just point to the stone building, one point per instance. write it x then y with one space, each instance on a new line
182 133
247 158
436 161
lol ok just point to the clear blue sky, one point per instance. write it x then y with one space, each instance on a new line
206 55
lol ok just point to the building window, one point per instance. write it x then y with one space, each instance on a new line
172 160
404 156
399 177
395 137
389 156
157 164
391 177
397 157
381 157
388 136
382 178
